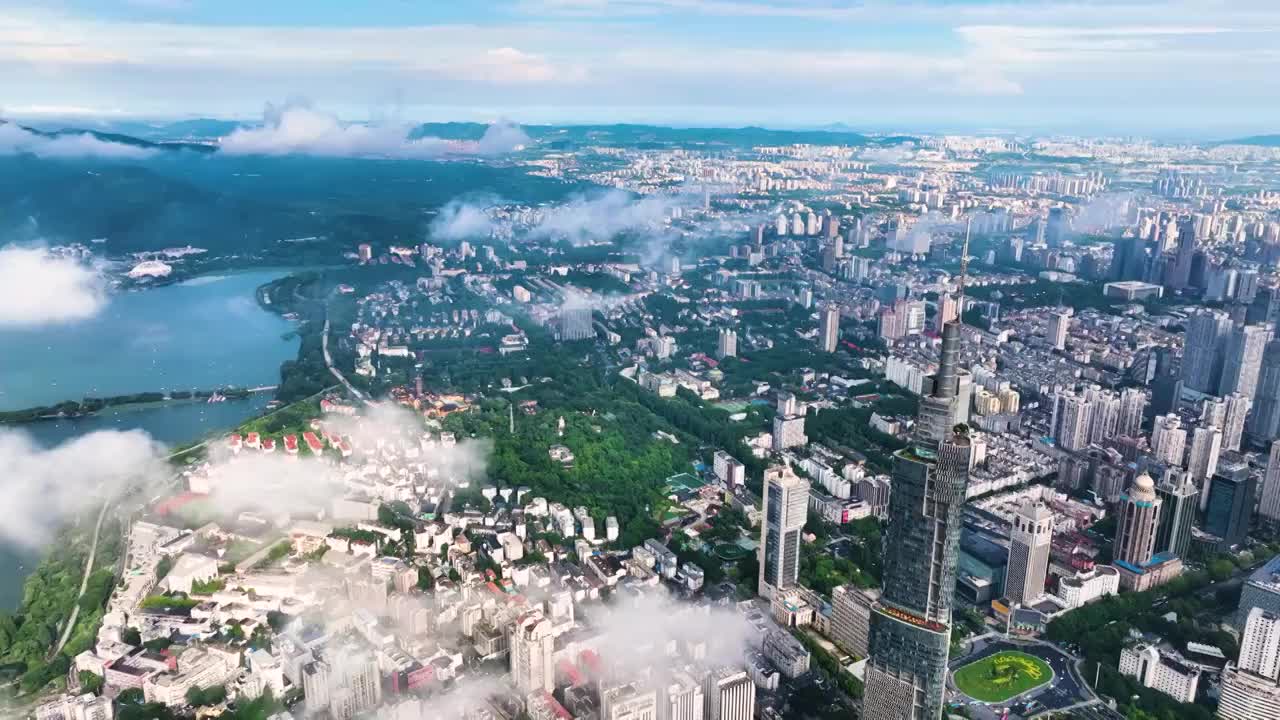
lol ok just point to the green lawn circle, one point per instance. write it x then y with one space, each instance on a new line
982 681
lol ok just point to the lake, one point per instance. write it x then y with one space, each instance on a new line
199 334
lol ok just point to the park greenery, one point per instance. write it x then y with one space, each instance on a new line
1002 676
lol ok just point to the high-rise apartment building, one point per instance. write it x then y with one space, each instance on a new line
532 645
1202 355
1168 440
726 343
1264 423
786 507
575 323
911 623
1133 403
1029 544
830 329
1071 421
1059 325
1242 360
1269 504
1202 461
1233 423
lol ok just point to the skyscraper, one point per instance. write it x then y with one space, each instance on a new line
1177 510
1168 440
682 698
1246 696
1133 402
911 624
1202 356
1233 421
1264 424
1230 503
851 618
1242 360
1059 325
1055 231
786 507
1202 461
1183 254
726 343
1269 505
1070 421
1139 515
1029 544
532 645
830 328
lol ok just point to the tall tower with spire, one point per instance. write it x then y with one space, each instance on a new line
911 624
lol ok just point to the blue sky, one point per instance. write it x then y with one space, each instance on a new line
1205 68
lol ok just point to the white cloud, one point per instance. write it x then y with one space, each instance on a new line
16 140
462 220
45 488
600 217
297 128
38 288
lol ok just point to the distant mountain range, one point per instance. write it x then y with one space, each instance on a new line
197 134
1259 140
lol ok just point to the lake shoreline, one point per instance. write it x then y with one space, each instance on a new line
147 401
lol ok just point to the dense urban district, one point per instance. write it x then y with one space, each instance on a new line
740 427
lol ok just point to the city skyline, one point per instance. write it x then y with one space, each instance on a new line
932 67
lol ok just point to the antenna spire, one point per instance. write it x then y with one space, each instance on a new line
964 269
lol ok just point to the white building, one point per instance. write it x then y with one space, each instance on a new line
1260 645
76 707
1029 545
1168 674
1085 587
532 645
1246 696
785 510
729 694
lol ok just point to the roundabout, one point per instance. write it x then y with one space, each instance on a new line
1002 676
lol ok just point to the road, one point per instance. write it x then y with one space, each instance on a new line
328 361
84 583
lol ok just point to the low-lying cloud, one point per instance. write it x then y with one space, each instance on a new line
602 216
44 488
17 140
462 219
40 288
889 155
299 129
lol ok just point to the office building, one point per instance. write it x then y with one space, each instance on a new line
830 329
728 470
1203 353
1029 542
726 343
1242 360
682 698
1269 505
729 694
1136 528
1260 644
1246 696
1178 508
911 624
1168 440
1159 671
532 644
786 508
786 653
1260 590
629 702
851 618
1059 324
1230 503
